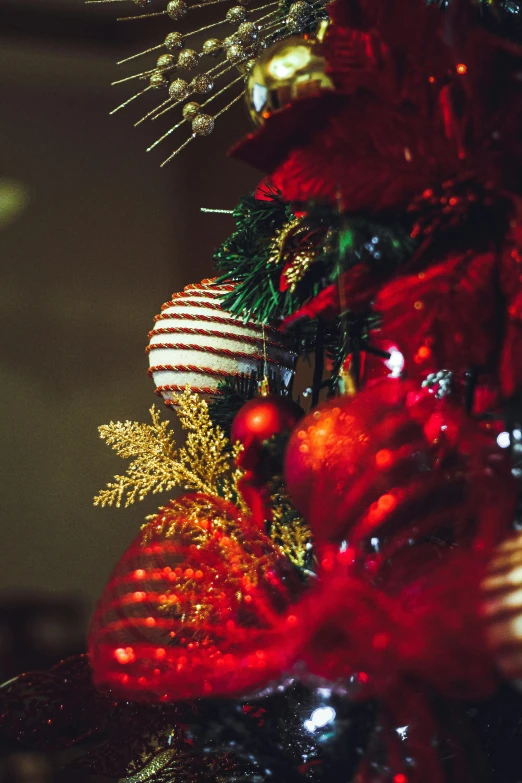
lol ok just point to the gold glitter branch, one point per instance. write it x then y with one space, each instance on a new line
288 530
204 464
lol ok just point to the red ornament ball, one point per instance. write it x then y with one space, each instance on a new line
259 420
382 460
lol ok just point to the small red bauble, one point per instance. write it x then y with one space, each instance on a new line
259 420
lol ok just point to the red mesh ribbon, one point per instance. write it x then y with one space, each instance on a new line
194 607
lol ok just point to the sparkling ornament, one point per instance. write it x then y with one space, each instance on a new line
188 59
252 37
502 607
235 53
300 10
194 608
230 41
247 33
177 9
190 110
166 61
212 46
203 125
174 42
179 89
202 84
196 342
158 81
298 16
288 70
386 457
236 14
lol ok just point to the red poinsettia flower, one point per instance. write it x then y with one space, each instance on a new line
420 96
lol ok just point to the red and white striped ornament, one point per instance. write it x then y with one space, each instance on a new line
196 342
502 607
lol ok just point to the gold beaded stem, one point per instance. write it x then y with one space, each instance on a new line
180 100
129 100
225 21
141 75
212 2
266 16
153 111
262 8
141 16
139 54
171 130
176 103
172 69
209 100
280 33
185 143
271 24
186 35
202 29
161 45
163 13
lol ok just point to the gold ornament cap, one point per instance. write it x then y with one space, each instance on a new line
289 70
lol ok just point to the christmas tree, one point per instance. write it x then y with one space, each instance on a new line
331 590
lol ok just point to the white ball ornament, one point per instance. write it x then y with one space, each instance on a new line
196 343
502 607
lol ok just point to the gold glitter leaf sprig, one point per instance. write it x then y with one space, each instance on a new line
204 464
288 530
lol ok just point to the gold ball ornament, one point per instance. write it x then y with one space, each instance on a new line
236 14
287 71
502 607
177 9
166 61
212 46
202 84
230 41
179 89
300 10
202 125
247 33
295 25
236 53
174 42
191 110
158 81
188 59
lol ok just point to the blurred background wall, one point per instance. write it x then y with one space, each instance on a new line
94 237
